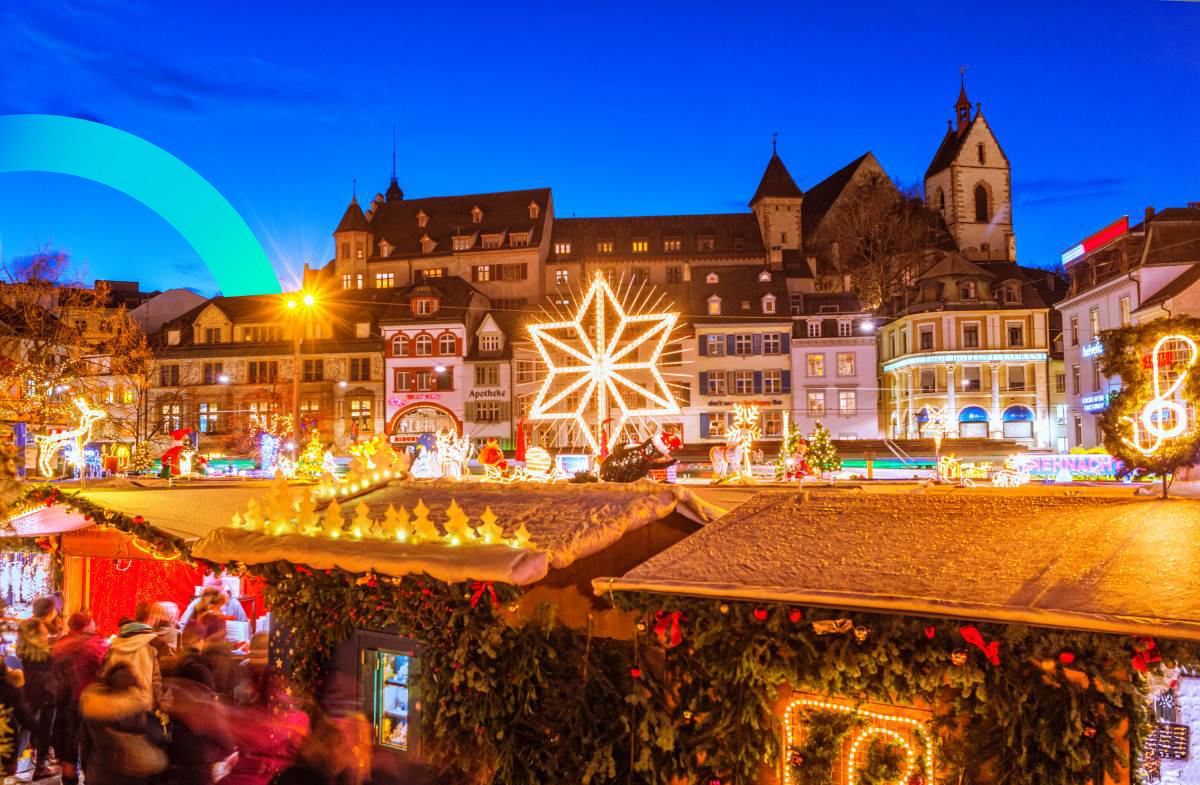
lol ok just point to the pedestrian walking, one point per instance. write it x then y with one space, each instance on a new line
76 659
135 646
35 636
117 750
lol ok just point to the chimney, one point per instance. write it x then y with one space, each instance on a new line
1149 214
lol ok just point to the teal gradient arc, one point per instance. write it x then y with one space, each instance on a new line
151 175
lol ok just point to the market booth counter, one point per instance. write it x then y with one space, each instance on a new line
111 548
458 617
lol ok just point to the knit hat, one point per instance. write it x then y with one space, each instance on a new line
43 605
78 621
134 628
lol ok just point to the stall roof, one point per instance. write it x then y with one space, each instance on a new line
1110 564
566 522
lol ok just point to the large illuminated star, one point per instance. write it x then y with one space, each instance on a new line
600 345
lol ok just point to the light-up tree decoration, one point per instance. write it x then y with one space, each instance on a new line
937 426
593 365
72 439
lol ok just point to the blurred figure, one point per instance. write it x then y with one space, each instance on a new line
217 654
269 732
12 698
230 607
35 636
146 614
326 757
135 647
116 749
200 733
76 660
252 672
165 621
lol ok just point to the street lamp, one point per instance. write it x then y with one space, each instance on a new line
293 306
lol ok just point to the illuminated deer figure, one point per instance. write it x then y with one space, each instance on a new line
74 439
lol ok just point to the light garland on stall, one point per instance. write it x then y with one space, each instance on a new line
1151 418
789 717
72 439
601 365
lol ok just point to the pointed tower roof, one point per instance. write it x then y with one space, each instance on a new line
776 182
353 220
393 193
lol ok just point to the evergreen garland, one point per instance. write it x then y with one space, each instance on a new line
1124 350
822 455
814 762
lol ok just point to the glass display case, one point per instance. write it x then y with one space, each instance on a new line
389 675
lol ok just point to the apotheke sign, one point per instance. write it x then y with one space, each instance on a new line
476 394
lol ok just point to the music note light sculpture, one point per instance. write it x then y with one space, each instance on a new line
1163 418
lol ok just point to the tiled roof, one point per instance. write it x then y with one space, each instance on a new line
821 196
955 264
741 294
454 299
353 220
948 150
777 182
1178 286
734 234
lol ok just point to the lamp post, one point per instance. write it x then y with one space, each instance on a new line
293 304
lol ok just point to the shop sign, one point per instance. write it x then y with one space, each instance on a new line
1092 349
474 394
1096 402
406 399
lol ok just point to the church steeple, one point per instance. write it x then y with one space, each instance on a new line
963 106
393 193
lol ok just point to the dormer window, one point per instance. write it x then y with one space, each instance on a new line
712 278
491 240
533 211
562 247
604 246
422 219
745 305
739 243
673 244
476 215
764 277
768 303
518 239
385 248
967 290
427 244
706 243
463 243
1012 294
424 306
489 342
714 306
640 245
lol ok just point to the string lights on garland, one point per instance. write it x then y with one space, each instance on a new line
872 726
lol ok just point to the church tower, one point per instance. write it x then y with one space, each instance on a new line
776 205
352 242
968 183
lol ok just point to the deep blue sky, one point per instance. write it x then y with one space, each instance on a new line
621 108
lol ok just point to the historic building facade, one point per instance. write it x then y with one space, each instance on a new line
834 366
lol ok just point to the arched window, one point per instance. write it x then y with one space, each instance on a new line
982 213
424 345
447 344
399 345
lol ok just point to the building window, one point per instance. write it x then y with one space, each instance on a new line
481 273
928 380
674 274
714 306
207 417
845 329
970 336
743 382
489 342
262 371
463 243
716 424
399 345
672 244
971 378
1016 335
310 410
518 239
360 369
360 412
845 364
385 280
562 247
639 275
772 423
525 371
967 290
772 343
847 405
1011 295
768 304
424 345
604 246
981 151
743 344
925 338
424 380
1016 377
346 249
714 345
358 281
1060 382
212 335
816 365
1074 330
714 383
1124 311
1096 377
561 276
706 243
402 381
513 272
1075 380
1094 323
639 246
797 303
314 370
424 306
212 373
447 345
772 381
168 376
487 411
170 416
347 280
814 329
487 375
816 403
982 213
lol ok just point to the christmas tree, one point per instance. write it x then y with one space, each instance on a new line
787 465
310 464
822 455
141 460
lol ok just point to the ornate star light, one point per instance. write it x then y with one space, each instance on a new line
595 356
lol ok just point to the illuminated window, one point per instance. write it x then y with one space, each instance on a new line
971 378
640 246
447 344
463 243
816 365
493 240
768 304
562 247
928 380
385 280
1124 311
1016 377
816 403
967 290
847 403
561 276
476 215
1060 382
706 243
422 219
424 306
206 416
360 412
392 722
1075 380
716 424
845 364
1094 323
772 423
424 345
714 345
516 239
481 273
489 342
170 416
673 244
714 306
431 272
604 246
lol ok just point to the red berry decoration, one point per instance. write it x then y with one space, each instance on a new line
635 673
1066 658
760 614
796 616
138 519
930 631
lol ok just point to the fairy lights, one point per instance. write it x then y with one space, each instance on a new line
72 439
601 343
1162 418
916 728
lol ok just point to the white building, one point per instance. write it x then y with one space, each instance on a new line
834 367
1122 275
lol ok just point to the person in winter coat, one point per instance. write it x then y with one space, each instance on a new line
217 654
200 731
76 660
12 698
35 636
116 749
325 758
135 647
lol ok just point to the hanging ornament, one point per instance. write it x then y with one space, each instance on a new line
1066 658
641 626
959 657
861 633
635 673
723 608
930 631
795 616
760 614
972 636
1145 655
687 715
795 758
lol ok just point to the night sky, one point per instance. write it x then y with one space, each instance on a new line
637 108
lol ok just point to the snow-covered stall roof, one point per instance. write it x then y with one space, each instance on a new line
565 522
1108 564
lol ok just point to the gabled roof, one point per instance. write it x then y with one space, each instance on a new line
353 220
454 299
1178 286
948 150
776 182
821 196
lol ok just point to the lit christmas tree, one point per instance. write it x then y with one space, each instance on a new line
793 455
310 464
822 455
141 460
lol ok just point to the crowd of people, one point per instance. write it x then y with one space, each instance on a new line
165 701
